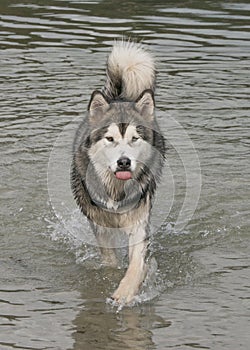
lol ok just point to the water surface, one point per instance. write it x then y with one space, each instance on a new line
52 287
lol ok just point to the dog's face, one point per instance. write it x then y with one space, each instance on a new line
121 145
121 153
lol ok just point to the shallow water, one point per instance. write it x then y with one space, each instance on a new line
53 289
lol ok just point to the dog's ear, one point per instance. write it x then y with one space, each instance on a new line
98 105
145 104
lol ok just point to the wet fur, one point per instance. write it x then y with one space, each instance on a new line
111 204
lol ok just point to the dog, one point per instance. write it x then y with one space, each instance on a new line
118 155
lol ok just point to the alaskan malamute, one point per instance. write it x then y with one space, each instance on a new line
117 161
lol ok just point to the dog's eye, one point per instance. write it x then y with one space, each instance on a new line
110 138
134 138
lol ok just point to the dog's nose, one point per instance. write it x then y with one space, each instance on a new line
124 163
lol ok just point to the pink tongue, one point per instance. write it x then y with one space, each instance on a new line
123 175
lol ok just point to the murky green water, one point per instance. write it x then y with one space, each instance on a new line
52 288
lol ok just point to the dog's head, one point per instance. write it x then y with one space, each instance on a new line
122 135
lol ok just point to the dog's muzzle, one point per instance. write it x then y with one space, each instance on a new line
123 171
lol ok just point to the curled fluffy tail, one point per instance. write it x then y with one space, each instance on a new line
130 71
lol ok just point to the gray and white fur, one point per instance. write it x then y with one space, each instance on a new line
118 156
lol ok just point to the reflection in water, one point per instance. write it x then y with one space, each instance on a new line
98 327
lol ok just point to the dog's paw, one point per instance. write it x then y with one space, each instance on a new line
122 299
124 295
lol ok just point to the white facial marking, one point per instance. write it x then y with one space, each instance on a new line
114 132
106 152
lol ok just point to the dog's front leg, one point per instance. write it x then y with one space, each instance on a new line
137 269
107 249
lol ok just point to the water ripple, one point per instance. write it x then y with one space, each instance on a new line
53 56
